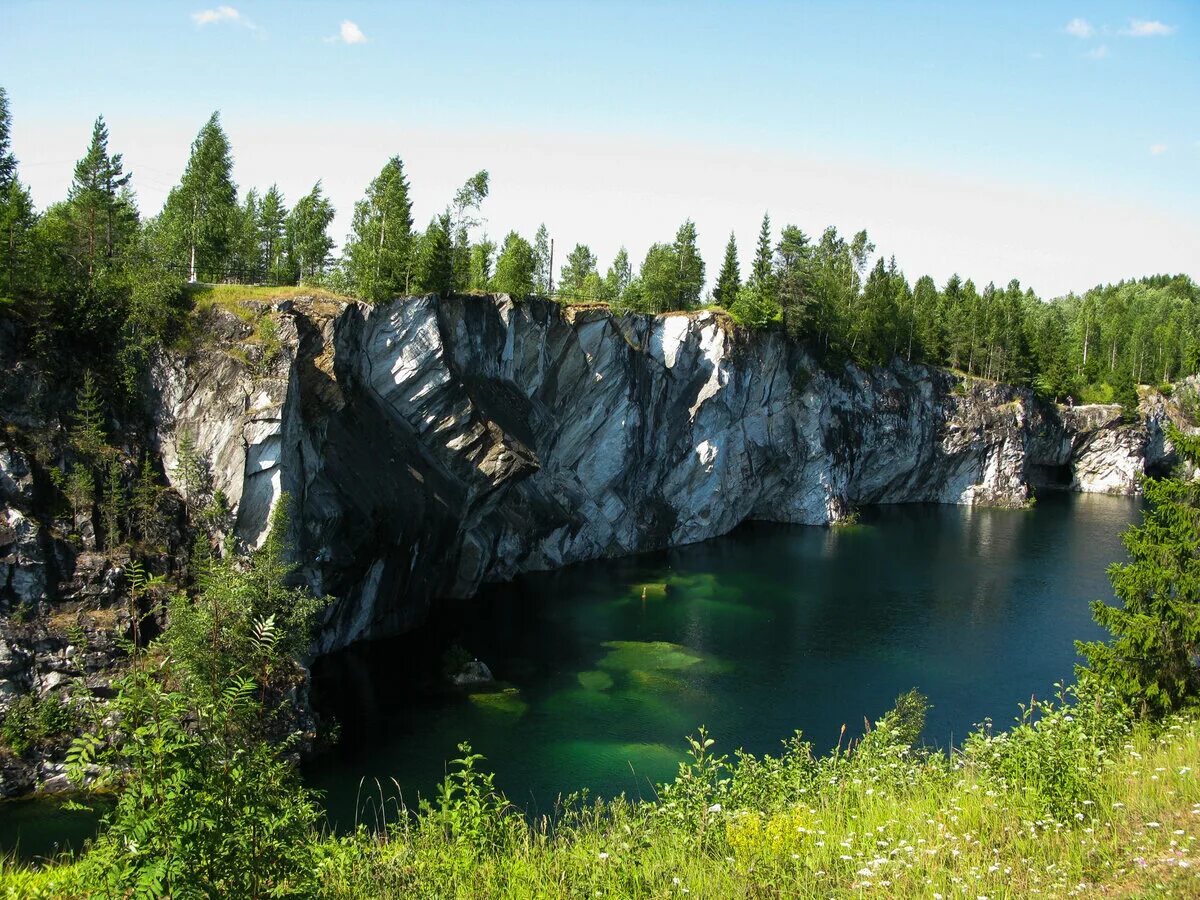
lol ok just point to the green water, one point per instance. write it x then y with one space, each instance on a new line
606 666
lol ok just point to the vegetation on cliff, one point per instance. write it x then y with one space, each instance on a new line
1094 790
102 285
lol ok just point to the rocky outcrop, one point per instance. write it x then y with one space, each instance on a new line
431 445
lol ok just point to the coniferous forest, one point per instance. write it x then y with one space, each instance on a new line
100 281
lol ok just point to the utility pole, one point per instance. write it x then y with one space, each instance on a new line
550 274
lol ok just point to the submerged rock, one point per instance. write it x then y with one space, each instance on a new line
431 445
472 673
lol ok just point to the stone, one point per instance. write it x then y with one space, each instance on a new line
473 672
431 445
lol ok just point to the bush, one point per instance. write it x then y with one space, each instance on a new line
34 723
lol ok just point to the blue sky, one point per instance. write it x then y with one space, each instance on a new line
975 137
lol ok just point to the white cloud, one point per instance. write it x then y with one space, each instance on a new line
1098 52
349 33
1143 28
221 14
1158 149
1080 28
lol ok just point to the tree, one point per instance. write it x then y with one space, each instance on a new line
87 436
272 236
201 213
516 267
435 263
658 279
308 240
729 281
1152 658
8 162
581 262
100 211
791 288
690 280
380 252
481 265
113 506
247 260
541 256
618 276
467 201
763 271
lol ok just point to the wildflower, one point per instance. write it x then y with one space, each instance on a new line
603 855
1153 825
715 808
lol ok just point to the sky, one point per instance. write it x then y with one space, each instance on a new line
1053 142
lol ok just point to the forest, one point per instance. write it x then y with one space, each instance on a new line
101 283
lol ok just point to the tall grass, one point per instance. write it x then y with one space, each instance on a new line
1078 798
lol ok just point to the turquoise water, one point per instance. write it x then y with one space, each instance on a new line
606 666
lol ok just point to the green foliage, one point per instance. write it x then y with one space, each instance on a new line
87 435
729 280
516 267
200 218
380 251
580 264
33 722
203 806
1152 659
306 235
435 260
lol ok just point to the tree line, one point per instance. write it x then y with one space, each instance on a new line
92 273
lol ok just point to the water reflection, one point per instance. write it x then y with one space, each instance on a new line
771 629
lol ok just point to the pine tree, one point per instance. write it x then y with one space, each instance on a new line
729 281
791 288
146 493
201 213
99 210
81 492
1152 658
381 251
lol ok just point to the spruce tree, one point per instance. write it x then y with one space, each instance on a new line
618 276
482 254
87 435
8 162
113 506
381 251
691 267
762 272
435 261
272 236
729 281
1153 659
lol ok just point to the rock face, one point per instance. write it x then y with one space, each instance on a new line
431 445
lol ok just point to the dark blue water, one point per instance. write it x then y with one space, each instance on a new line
772 629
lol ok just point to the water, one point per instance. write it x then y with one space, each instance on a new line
771 629
774 628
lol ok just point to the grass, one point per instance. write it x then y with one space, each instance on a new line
899 828
1075 800
233 297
